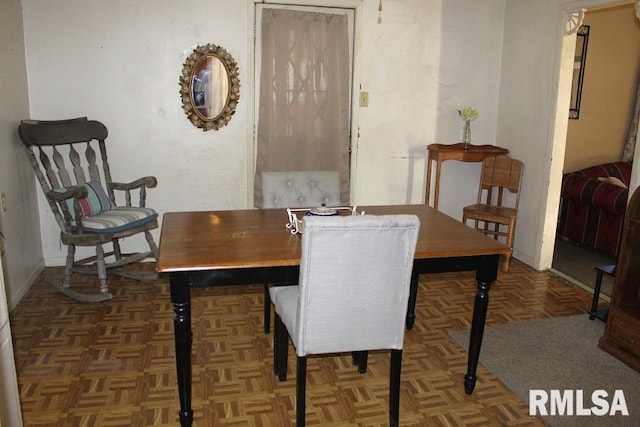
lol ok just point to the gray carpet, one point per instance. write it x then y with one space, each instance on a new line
578 262
558 353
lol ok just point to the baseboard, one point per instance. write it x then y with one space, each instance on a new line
26 285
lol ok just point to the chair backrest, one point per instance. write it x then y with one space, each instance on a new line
55 150
355 273
500 173
299 189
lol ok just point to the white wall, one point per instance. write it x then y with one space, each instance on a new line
20 223
424 59
119 62
20 248
527 111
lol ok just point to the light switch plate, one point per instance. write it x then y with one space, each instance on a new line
364 99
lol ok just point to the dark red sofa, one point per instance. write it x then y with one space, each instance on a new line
592 206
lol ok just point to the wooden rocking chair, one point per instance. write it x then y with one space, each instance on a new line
86 213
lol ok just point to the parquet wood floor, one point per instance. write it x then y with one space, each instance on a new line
112 363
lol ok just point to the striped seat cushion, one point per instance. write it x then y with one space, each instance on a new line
118 219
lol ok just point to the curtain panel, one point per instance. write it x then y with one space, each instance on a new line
630 145
303 121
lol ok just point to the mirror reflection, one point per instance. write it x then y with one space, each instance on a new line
209 87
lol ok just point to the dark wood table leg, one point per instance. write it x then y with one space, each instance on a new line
180 298
486 274
413 296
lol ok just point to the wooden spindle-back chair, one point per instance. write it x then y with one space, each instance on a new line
492 208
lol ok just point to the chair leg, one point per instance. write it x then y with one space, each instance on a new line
360 359
283 348
267 309
511 229
394 388
68 269
275 344
505 264
102 269
116 249
301 391
151 243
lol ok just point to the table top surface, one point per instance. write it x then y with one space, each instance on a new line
490 149
214 240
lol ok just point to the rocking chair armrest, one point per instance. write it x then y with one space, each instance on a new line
78 192
65 218
147 181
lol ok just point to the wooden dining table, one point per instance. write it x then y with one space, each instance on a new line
242 247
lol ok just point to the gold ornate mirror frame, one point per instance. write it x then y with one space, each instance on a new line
209 87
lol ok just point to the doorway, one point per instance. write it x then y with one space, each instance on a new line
303 86
597 136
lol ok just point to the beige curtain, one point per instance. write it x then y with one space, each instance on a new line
303 121
630 146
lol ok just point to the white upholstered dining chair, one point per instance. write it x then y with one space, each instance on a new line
297 189
351 296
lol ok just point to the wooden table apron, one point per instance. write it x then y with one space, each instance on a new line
199 249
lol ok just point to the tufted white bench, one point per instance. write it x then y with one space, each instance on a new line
300 189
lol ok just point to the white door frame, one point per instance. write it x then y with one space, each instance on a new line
556 149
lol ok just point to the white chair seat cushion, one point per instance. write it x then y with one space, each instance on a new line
118 219
285 301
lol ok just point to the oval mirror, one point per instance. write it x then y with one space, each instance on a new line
209 87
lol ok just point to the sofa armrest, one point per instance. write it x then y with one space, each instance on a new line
602 195
619 170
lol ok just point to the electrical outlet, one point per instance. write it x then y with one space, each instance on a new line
3 201
364 99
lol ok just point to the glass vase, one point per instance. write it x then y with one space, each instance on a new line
466 134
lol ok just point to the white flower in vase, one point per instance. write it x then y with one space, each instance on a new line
467 114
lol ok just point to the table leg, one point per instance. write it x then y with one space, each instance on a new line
427 194
486 274
436 193
596 294
180 298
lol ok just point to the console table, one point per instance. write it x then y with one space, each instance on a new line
443 152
